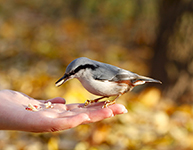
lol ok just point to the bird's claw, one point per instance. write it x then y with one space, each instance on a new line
88 102
108 102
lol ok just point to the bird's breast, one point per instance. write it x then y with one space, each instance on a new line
104 88
101 87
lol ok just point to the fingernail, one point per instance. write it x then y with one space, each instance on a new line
125 111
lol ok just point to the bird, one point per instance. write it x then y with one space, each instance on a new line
102 79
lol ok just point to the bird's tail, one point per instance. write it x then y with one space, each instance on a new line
142 79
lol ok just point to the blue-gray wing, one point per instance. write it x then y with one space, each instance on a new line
124 75
112 73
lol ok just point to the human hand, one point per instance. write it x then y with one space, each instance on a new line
14 116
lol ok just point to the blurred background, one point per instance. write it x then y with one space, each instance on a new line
39 38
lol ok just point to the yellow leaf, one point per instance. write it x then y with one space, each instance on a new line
53 143
150 97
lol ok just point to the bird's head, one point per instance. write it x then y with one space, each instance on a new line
74 68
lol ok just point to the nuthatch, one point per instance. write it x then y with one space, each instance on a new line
102 79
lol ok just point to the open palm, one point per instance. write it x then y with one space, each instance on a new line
14 116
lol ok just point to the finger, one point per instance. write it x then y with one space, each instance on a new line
95 112
99 114
69 122
57 100
118 109
82 105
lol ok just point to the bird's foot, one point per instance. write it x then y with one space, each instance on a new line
88 102
109 102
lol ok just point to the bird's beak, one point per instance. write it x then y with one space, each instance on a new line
62 80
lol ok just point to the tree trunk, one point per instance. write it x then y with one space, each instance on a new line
170 13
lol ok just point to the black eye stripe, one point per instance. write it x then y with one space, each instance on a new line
82 67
